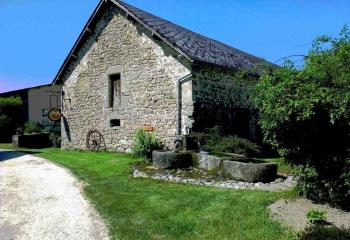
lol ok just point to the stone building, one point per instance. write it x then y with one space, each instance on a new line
130 69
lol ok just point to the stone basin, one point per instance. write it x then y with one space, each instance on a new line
250 172
247 170
172 159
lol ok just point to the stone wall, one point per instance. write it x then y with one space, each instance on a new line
222 98
149 74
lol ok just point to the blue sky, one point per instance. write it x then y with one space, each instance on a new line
36 35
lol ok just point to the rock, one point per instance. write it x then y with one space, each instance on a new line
151 168
278 180
171 160
250 172
128 150
171 176
139 174
208 162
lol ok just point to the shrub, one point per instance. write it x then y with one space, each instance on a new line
5 127
305 115
55 139
55 134
10 117
32 127
318 232
10 102
311 185
208 137
213 140
234 144
145 143
316 216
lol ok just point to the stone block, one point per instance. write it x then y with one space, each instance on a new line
171 159
208 162
250 172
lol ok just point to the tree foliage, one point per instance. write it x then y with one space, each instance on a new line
9 114
10 102
305 115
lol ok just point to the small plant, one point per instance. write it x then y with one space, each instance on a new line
316 216
145 143
195 160
213 140
32 127
55 139
54 134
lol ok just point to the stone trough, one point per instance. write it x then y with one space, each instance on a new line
172 159
248 171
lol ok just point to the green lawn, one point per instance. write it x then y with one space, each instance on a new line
147 209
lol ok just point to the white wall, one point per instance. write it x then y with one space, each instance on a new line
40 98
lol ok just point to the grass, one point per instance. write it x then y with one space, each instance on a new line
148 209
283 167
6 145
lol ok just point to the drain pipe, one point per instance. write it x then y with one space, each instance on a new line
179 83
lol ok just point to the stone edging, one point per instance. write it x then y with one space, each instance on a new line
278 185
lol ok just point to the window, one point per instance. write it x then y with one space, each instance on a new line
115 123
114 90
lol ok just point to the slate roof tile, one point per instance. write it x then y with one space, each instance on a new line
196 46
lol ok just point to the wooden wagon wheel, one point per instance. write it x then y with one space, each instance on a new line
94 140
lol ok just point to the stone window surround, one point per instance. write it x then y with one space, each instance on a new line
113 70
114 92
112 113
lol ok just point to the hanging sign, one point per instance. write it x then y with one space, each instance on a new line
55 114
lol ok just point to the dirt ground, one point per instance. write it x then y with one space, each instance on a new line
40 200
292 213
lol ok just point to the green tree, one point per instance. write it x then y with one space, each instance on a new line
305 115
10 102
9 111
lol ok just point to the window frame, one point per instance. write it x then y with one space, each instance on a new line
114 96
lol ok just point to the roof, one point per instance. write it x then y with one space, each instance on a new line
23 89
193 46
196 46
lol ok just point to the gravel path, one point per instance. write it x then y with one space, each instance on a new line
40 200
292 213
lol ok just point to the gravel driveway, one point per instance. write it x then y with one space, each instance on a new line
40 200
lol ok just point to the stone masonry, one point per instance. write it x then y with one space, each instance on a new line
150 70
149 75
220 97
